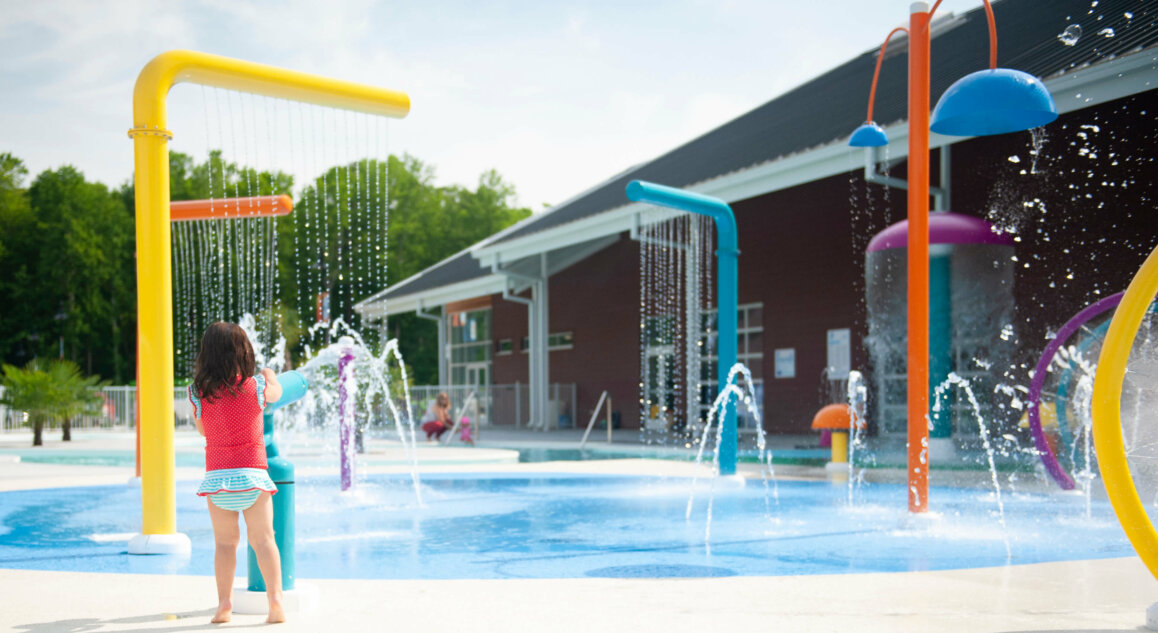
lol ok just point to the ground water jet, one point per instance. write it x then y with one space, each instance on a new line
353 383
962 384
745 396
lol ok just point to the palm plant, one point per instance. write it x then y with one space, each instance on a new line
79 395
30 389
48 390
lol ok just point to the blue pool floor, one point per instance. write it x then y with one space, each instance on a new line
493 525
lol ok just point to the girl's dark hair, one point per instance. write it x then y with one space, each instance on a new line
224 361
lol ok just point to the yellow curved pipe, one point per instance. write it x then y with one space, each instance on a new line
173 67
154 259
1107 413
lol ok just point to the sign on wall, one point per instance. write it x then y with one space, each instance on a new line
839 353
786 362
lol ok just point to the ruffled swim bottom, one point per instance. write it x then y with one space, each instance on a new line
235 489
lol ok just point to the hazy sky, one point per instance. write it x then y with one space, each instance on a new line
556 96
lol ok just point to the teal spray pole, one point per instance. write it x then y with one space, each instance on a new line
281 471
727 290
940 337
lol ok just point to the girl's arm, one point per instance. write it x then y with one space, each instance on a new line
200 429
272 386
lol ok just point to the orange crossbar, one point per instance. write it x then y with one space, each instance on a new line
224 208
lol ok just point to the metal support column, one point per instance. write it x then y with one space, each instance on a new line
443 351
550 414
536 333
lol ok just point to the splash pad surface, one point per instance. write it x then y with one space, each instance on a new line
489 526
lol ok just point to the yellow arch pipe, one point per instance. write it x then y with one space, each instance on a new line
154 260
1107 413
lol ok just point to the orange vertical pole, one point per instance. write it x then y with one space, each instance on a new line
918 264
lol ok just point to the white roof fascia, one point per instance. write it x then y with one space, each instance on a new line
377 296
1077 89
1106 81
590 228
478 287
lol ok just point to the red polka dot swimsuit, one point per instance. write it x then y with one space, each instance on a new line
234 441
232 423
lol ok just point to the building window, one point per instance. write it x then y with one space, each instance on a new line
562 340
749 351
557 341
505 347
470 345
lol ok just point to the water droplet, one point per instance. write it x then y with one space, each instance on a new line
1106 32
1071 35
1129 16
1015 159
1007 332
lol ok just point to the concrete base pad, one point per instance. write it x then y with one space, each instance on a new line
303 598
177 544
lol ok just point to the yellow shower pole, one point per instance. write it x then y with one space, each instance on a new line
151 136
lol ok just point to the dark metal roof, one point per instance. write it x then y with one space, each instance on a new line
458 268
829 107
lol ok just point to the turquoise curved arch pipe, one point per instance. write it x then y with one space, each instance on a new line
281 471
727 290
293 388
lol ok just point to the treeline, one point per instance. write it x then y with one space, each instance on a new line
68 287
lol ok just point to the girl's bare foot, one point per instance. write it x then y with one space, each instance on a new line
224 613
276 612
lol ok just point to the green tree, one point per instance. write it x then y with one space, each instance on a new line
84 239
339 249
18 257
429 224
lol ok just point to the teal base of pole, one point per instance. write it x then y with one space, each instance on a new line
281 471
941 342
728 440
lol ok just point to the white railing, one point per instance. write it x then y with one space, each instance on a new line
511 406
498 405
603 397
118 412
502 405
421 397
471 404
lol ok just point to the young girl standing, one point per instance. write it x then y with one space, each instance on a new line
228 400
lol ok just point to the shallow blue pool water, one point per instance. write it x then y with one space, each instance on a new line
568 526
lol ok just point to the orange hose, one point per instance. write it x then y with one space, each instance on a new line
877 72
992 34
992 30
